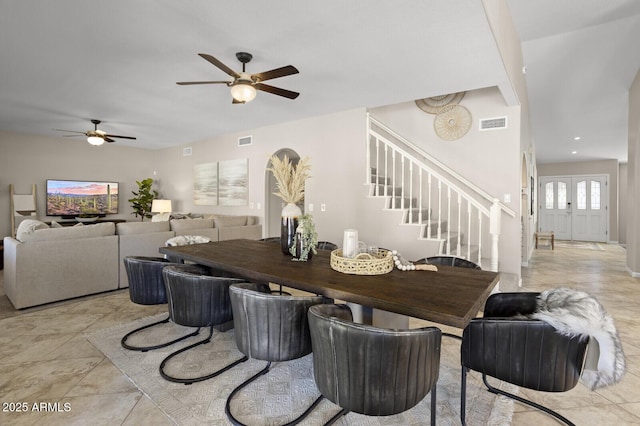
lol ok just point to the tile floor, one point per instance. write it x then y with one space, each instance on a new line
46 362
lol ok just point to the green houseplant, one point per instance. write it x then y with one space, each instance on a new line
143 199
306 239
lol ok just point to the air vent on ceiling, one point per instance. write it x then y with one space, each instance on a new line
186 151
244 141
493 123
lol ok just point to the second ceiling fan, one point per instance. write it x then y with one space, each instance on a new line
244 85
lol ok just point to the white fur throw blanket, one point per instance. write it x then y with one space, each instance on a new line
573 312
183 240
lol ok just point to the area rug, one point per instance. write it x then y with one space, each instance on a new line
585 245
281 395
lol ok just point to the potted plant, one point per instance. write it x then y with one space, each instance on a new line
306 239
143 199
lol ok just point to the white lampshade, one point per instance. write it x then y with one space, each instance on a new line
95 140
161 206
243 92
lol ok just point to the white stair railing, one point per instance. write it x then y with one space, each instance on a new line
434 197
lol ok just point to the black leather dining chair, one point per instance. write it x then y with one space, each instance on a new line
529 353
146 287
449 261
197 300
370 370
326 245
272 328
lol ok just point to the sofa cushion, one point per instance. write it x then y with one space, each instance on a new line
72 232
28 227
224 221
181 225
130 228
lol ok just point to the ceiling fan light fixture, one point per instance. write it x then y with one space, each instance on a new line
243 92
95 140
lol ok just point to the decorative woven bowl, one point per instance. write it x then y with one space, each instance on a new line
362 264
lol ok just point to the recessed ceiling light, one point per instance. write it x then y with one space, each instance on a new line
577 138
574 152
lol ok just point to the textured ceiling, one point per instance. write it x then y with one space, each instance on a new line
69 61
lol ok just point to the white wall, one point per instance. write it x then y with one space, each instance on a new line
633 180
335 144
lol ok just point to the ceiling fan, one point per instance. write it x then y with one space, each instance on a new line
244 85
95 136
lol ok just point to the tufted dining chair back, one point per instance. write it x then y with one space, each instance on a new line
370 370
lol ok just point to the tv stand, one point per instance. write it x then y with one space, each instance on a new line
67 222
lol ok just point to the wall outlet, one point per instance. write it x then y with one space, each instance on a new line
310 207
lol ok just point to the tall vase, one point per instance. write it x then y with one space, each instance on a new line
290 215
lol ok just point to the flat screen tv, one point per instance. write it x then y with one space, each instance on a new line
71 198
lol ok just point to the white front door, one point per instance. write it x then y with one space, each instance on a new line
574 207
590 208
555 206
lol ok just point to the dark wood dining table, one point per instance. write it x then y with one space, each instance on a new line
450 296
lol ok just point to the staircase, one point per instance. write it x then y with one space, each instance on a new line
442 205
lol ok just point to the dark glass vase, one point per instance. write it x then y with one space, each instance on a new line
299 247
288 233
288 226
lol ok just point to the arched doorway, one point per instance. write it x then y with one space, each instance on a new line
273 204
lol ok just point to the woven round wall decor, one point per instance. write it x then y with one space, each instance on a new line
452 122
434 104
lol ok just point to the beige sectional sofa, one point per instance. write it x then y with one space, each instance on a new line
51 264
60 263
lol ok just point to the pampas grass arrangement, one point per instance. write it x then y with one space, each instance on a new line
290 178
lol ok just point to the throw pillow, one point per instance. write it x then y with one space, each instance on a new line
29 226
161 217
55 224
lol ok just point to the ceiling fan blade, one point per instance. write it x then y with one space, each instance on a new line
184 83
70 131
72 136
107 139
276 91
276 73
220 65
235 101
118 136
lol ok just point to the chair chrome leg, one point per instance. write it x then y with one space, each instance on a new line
463 395
265 370
335 418
526 401
433 404
125 345
188 381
